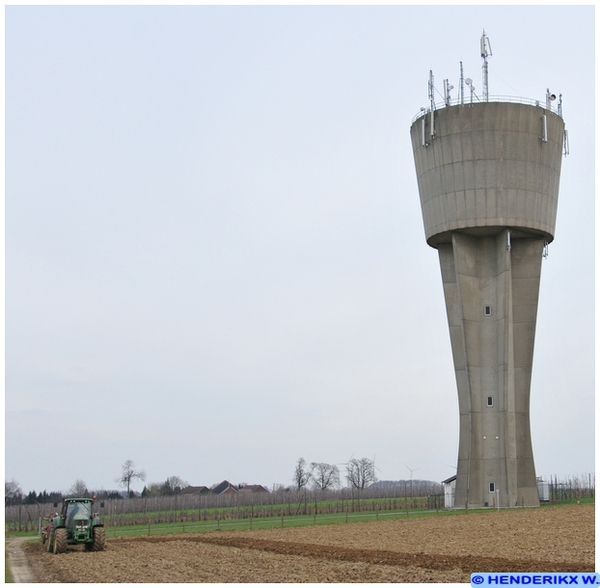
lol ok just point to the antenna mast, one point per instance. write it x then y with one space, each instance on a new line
431 90
447 88
486 51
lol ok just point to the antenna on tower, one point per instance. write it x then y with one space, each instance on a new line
486 51
431 90
550 97
560 105
469 83
447 88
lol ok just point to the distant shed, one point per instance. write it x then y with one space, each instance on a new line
543 490
449 489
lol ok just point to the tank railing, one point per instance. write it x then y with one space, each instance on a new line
475 100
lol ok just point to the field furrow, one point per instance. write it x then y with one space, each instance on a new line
432 549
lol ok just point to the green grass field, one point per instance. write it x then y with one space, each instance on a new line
225 521
8 579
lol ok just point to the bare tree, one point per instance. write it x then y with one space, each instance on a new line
172 485
325 476
360 473
128 473
12 492
151 489
302 475
79 489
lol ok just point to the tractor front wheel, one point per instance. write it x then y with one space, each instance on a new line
60 540
99 539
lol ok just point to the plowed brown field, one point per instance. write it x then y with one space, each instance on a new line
431 549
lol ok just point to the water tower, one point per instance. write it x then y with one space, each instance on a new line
488 174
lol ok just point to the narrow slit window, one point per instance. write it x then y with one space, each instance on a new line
492 487
490 401
487 310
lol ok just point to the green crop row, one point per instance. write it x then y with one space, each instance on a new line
225 519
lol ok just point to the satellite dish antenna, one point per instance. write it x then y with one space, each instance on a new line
469 83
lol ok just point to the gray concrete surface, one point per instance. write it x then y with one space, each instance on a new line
488 182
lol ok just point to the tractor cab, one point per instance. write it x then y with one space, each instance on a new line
78 518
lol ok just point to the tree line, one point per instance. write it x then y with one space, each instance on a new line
14 495
360 473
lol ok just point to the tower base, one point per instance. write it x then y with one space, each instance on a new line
491 287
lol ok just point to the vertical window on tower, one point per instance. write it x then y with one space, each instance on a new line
487 310
490 401
492 487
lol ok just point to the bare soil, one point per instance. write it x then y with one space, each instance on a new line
431 549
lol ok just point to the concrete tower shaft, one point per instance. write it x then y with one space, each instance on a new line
488 176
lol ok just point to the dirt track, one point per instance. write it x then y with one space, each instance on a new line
17 560
433 549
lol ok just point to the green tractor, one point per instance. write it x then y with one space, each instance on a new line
77 524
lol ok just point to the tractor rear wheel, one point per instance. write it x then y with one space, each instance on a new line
50 541
99 539
60 540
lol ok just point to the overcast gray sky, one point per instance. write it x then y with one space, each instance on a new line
215 256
